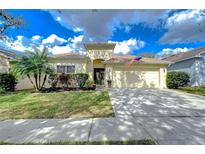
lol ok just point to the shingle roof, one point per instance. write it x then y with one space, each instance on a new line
99 46
7 53
185 55
117 59
120 59
68 56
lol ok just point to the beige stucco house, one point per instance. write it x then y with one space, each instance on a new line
5 56
102 65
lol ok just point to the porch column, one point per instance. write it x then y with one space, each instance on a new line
90 69
108 74
162 78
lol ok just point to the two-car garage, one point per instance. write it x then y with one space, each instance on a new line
136 77
143 73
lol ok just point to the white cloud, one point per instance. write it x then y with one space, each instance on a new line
60 49
168 51
53 43
77 39
36 39
71 45
127 29
127 46
53 40
98 25
74 44
77 29
58 19
20 44
184 27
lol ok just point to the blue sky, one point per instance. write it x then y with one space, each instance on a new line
134 31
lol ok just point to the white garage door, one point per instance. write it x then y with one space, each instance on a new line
123 78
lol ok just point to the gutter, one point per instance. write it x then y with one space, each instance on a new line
137 63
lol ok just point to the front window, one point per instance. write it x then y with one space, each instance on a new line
65 69
61 69
71 69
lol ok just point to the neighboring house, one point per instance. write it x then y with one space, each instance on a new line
192 62
5 56
102 65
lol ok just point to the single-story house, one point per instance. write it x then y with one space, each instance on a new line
102 65
192 62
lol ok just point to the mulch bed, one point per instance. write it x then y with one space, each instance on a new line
63 89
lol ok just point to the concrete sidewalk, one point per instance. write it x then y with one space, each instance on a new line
164 130
53 130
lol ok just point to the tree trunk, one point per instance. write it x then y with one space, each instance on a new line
44 81
31 81
39 80
36 81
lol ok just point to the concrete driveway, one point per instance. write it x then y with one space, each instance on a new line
168 116
157 103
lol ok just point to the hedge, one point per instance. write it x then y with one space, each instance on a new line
175 80
77 79
81 78
7 82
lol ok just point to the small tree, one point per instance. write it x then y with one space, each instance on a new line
8 21
177 79
35 65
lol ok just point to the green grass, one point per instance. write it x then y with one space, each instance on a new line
193 90
30 105
128 142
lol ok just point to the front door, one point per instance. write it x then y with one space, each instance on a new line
99 76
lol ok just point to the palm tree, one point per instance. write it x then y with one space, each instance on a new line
34 66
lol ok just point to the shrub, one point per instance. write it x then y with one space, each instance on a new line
53 80
7 82
63 79
177 79
81 79
89 83
66 80
71 80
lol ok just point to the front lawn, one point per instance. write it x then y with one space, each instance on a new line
28 104
194 90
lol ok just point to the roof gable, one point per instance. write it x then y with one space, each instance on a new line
185 55
7 53
68 56
117 59
99 46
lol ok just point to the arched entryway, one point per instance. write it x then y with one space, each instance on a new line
98 71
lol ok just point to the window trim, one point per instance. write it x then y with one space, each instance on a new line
65 70
70 66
